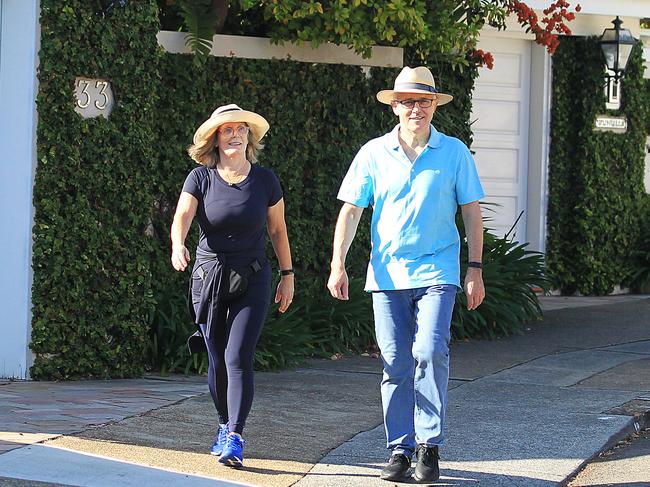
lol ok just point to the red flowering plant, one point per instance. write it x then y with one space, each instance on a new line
546 31
554 23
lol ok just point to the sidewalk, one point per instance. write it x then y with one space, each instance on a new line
527 410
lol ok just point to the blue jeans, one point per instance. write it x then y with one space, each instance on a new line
413 332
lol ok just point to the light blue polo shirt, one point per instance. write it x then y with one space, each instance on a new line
415 242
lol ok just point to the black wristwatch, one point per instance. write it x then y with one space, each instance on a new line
478 265
286 272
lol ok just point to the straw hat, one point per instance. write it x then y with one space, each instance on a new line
414 80
232 113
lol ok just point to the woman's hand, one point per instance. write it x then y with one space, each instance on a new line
180 257
284 293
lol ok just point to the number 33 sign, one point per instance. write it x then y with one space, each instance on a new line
94 97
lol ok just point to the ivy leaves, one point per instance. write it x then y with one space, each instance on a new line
595 180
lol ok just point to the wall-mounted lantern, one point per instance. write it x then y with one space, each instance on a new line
617 45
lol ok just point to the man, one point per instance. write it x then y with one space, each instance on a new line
414 178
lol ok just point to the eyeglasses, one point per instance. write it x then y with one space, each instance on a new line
410 103
229 131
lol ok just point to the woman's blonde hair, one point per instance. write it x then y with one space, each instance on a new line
206 152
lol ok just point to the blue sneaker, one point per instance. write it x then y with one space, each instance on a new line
233 451
219 440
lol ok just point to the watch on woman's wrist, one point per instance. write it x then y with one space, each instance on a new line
286 272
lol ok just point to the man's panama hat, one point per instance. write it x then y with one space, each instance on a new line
414 80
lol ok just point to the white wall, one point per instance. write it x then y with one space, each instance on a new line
19 33
244 47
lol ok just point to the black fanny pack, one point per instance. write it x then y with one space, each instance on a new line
237 282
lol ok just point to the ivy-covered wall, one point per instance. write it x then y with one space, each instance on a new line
596 178
106 189
93 192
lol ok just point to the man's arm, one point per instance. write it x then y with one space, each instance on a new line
474 288
346 229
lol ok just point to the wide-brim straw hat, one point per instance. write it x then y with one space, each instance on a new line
414 80
232 113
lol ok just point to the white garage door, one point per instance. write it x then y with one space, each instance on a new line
501 118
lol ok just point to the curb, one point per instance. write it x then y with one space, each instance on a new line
638 421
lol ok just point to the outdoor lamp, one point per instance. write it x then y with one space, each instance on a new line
617 45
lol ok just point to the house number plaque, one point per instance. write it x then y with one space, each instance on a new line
94 97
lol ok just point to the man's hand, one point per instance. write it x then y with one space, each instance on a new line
474 288
338 283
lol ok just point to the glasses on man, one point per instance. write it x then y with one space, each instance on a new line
410 102
230 131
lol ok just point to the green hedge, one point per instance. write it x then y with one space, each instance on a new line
106 189
93 195
596 178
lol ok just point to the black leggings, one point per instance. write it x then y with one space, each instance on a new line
231 350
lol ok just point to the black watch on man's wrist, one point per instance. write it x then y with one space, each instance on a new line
478 265
286 272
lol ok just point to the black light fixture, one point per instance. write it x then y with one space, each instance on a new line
617 45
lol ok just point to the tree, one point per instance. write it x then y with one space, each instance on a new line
446 26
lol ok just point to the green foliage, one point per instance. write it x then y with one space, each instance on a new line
169 328
596 178
316 325
510 274
93 195
639 277
448 27
200 17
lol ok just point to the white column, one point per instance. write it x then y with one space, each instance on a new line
538 148
19 40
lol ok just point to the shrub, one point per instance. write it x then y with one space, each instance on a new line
639 276
318 325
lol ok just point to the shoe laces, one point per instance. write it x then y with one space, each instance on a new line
222 434
235 439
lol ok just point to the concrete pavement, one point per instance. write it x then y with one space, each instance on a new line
526 410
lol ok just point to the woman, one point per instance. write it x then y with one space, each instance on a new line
235 200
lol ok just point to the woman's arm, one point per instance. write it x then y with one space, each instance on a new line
185 211
277 229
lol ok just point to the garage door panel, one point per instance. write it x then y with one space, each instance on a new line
497 165
505 73
502 141
500 117
496 116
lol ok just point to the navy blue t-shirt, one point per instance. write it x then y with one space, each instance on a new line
233 218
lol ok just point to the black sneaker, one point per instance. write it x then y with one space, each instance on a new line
397 468
426 468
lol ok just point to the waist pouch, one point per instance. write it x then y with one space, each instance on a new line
230 284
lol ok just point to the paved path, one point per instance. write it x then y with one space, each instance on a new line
526 410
